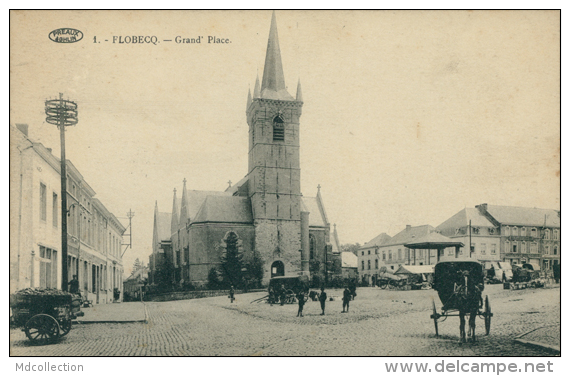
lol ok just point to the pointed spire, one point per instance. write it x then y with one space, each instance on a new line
273 83
183 206
299 92
248 98
174 220
256 89
155 207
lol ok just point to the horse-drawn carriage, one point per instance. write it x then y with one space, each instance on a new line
285 289
459 285
44 314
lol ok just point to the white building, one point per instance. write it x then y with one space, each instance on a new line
94 233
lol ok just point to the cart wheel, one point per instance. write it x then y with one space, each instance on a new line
488 315
65 327
435 316
42 329
382 284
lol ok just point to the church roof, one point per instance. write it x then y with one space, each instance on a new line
316 216
273 83
163 225
228 209
195 199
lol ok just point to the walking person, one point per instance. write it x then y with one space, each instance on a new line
232 293
346 295
323 299
301 300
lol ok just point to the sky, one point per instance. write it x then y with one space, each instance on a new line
408 116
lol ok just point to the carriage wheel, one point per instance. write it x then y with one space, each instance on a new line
65 327
435 316
382 284
42 329
488 315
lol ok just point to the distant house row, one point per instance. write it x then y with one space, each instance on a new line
498 233
94 234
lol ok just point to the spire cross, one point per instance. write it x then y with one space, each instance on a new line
184 181
230 183
319 187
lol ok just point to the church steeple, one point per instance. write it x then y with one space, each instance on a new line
174 220
273 84
256 89
248 99
184 206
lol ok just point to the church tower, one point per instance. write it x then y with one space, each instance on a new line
274 173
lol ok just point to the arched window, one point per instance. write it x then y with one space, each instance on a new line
278 129
312 247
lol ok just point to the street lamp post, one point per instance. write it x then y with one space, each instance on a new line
62 113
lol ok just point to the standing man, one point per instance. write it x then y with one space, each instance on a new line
74 285
232 293
346 295
323 299
301 299
282 294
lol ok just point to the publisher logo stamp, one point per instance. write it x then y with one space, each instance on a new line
66 35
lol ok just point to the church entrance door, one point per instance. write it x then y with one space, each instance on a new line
277 269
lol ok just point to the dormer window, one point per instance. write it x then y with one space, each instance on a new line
278 129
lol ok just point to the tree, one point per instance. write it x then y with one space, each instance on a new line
163 274
350 248
255 270
232 262
213 279
137 265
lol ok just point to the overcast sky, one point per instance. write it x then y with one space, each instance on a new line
408 117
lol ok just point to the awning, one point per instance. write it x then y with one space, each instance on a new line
433 240
415 269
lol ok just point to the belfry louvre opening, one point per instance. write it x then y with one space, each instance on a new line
278 129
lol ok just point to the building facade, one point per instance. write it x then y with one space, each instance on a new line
508 233
265 214
390 253
94 233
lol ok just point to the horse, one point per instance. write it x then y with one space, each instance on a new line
469 300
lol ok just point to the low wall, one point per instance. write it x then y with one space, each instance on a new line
184 295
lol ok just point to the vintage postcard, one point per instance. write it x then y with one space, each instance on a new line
285 183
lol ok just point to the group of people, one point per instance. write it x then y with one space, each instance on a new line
347 296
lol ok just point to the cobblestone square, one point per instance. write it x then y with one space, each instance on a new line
380 323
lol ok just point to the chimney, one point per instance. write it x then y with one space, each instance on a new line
49 149
23 128
482 208
408 227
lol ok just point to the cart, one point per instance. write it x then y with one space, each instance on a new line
45 315
451 281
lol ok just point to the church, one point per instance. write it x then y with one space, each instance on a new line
265 214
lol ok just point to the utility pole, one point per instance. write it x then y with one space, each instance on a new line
62 113
130 215
470 247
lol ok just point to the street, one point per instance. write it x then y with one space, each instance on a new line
380 323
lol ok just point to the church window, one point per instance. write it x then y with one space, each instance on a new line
278 129
312 247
